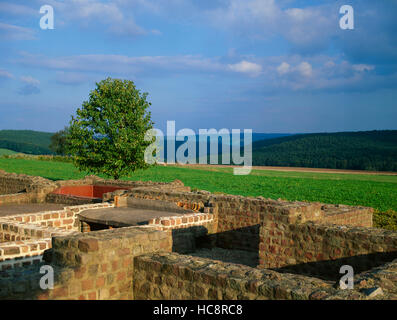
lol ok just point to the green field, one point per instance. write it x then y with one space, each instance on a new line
377 191
6 152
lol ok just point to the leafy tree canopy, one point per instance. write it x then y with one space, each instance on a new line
58 142
107 134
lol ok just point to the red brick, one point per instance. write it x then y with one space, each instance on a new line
59 293
121 276
126 262
92 296
100 282
115 265
87 284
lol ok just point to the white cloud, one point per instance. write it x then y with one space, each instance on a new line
246 67
121 64
116 19
289 72
305 69
12 32
362 67
30 80
283 68
31 86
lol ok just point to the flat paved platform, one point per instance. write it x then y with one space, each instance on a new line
124 216
14 209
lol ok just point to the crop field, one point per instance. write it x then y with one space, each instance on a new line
377 191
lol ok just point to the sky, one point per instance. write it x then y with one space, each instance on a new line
272 66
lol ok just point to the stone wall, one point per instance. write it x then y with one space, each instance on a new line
22 253
101 263
96 265
320 250
24 236
17 198
23 188
172 276
292 238
68 199
14 183
237 219
187 230
347 215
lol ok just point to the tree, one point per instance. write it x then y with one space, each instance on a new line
107 134
58 142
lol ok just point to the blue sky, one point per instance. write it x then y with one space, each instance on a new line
266 65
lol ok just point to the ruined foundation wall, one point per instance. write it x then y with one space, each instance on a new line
303 241
13 183
95 265
137 263
24 236
21 188
17 198
346 215
320 250
171 276
238 218
68 199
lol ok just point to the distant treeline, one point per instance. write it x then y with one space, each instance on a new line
26 141
367 150
21 147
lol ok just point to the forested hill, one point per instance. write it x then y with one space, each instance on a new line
365 150
26 141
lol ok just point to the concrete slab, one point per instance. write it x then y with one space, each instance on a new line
123 216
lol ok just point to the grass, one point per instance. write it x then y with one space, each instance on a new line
6 152
377 191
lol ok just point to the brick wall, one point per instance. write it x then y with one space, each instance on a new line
320 250
20 234
173 276
135 262
22 253
299 240
237 218
186 230
99 265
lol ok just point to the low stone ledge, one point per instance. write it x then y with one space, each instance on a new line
22 253
95 246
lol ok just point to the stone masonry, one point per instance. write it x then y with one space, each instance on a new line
300 246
